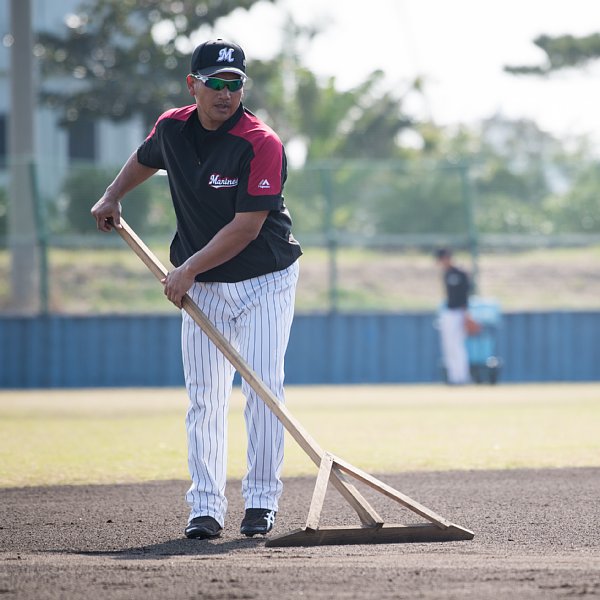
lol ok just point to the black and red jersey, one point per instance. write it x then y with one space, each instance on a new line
457 286
240 167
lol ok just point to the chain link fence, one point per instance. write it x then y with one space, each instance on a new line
368 230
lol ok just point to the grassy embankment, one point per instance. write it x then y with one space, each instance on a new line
114 280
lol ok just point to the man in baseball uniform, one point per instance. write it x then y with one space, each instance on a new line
452 319
234 253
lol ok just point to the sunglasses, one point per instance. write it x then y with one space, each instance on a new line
217 84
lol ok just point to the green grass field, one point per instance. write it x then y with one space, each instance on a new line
52 437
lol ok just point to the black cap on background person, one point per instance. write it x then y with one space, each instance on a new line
441 253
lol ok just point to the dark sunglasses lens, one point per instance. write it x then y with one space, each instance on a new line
214 83
235 85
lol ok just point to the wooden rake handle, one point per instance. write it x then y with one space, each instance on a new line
365 512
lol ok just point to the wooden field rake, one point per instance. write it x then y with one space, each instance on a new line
332 469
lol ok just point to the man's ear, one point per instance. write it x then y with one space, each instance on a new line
191 85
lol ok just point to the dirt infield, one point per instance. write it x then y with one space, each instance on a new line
537 535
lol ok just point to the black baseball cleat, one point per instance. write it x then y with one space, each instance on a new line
257 520
201 528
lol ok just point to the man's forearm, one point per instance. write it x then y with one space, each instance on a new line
107 211
130 176
228 242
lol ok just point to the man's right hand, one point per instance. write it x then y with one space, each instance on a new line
107 213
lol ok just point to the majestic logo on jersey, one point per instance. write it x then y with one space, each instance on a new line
264 185
225 55
217 181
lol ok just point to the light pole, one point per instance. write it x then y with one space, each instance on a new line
22 232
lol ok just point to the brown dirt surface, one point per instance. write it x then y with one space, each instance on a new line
536 536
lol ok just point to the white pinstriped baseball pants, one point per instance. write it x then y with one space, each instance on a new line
255 316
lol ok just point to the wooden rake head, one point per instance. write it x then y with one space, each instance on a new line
373 529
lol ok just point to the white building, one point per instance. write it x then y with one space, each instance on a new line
58 148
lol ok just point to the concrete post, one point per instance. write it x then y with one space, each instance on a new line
22 231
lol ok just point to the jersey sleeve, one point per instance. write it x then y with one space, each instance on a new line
262 177
149 152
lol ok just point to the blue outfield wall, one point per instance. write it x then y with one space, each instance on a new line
144 350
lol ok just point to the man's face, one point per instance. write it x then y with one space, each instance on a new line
445 262
214 106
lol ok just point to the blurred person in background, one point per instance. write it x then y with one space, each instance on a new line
453 319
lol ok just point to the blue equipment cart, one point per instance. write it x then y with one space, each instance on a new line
482 347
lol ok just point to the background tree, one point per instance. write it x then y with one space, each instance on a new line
111 50
362 122
520 175
90 182
110 47
515 167
561 52
576 209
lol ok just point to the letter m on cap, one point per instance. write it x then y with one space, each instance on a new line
225 55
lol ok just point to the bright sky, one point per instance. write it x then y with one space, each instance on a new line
458 46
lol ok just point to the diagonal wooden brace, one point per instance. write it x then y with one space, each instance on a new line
390 492
316 504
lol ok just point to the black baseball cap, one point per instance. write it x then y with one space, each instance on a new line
218 56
